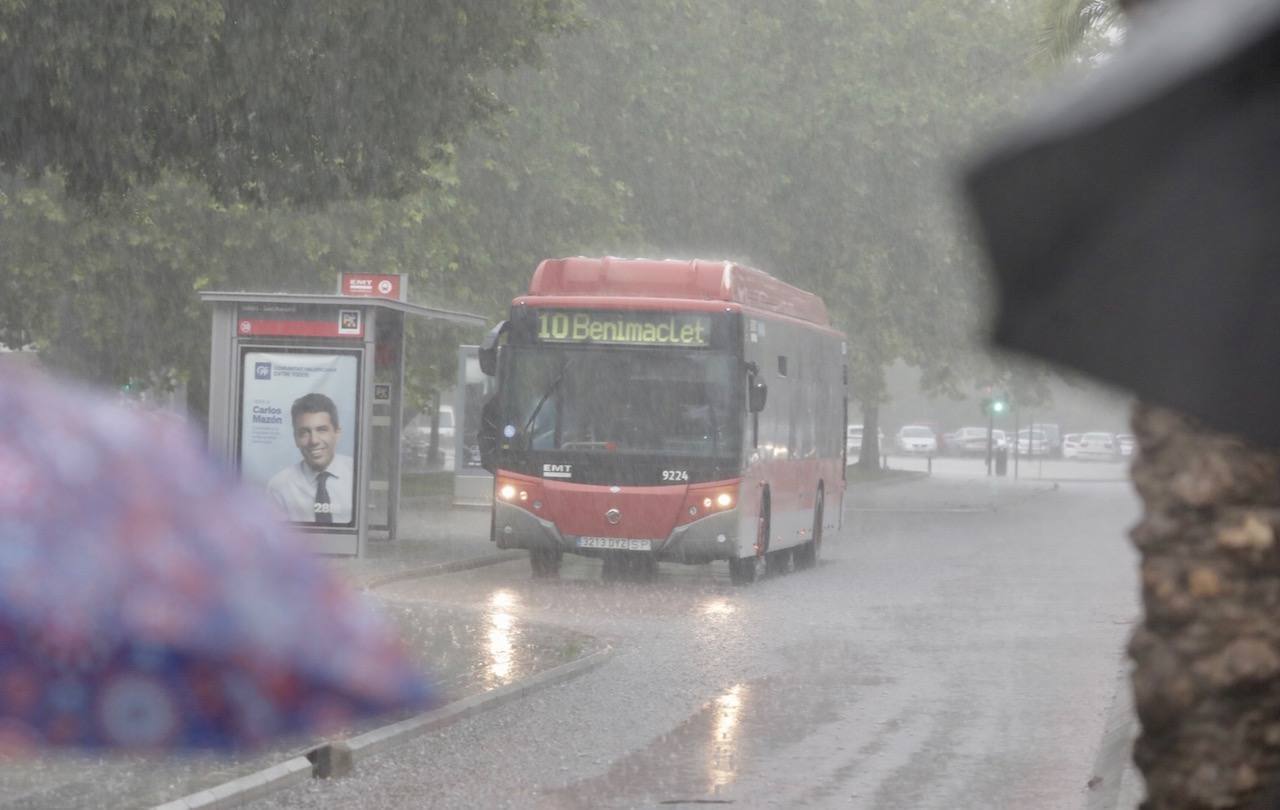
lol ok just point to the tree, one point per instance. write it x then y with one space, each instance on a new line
265 100
1068 23
808 140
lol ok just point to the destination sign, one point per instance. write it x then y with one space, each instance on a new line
624 328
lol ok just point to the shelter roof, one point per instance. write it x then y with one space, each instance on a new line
417 310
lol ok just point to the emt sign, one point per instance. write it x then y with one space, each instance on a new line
373 285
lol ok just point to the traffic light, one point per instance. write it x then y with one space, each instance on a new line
995 405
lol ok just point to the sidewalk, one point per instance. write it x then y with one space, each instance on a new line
435 537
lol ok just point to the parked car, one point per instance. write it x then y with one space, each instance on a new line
1099 446
947 444
416 441
999 439
1071 445
1126 442
973 440
446 424
1032 443
1053 437
853 441
917 439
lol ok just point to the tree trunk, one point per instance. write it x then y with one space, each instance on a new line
1207 655
869 455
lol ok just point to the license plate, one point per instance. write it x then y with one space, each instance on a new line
615 543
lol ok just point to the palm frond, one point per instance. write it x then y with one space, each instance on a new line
1068 22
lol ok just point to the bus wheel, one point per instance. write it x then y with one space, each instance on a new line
806 556
545 562
742 570
776 562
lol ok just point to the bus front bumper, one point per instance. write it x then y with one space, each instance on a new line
714 537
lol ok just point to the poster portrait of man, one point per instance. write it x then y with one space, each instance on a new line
318 487
298 431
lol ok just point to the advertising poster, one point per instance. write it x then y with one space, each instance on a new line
298 426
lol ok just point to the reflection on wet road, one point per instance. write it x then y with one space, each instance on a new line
502 635
722 762
936 659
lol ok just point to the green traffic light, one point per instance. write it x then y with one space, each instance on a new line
997 406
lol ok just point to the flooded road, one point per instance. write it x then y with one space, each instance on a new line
957 648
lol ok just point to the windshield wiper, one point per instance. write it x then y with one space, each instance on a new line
551 389
715 428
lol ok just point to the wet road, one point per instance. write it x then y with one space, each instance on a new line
958 648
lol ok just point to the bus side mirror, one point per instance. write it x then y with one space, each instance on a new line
489 349
757 395
487 436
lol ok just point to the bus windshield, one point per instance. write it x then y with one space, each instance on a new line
665 402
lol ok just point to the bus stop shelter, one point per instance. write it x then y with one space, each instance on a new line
306 399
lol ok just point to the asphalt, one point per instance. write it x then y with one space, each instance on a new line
455 643
960 646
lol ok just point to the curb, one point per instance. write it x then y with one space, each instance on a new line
246 788
352 750
1116 783
436 569
380 739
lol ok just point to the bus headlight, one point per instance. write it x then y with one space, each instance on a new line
707 500
723 500
517 492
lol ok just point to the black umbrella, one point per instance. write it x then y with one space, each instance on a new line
1134 225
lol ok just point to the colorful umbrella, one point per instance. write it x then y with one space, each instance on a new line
148 602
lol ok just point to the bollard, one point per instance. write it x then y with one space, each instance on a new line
331 761
929 470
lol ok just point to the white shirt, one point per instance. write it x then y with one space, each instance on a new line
294 489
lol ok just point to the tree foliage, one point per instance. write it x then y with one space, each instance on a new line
266 100
814 140
811 139
1069 23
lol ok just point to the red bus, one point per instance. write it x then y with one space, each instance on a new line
649 410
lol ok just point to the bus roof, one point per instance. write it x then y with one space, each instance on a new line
695 279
